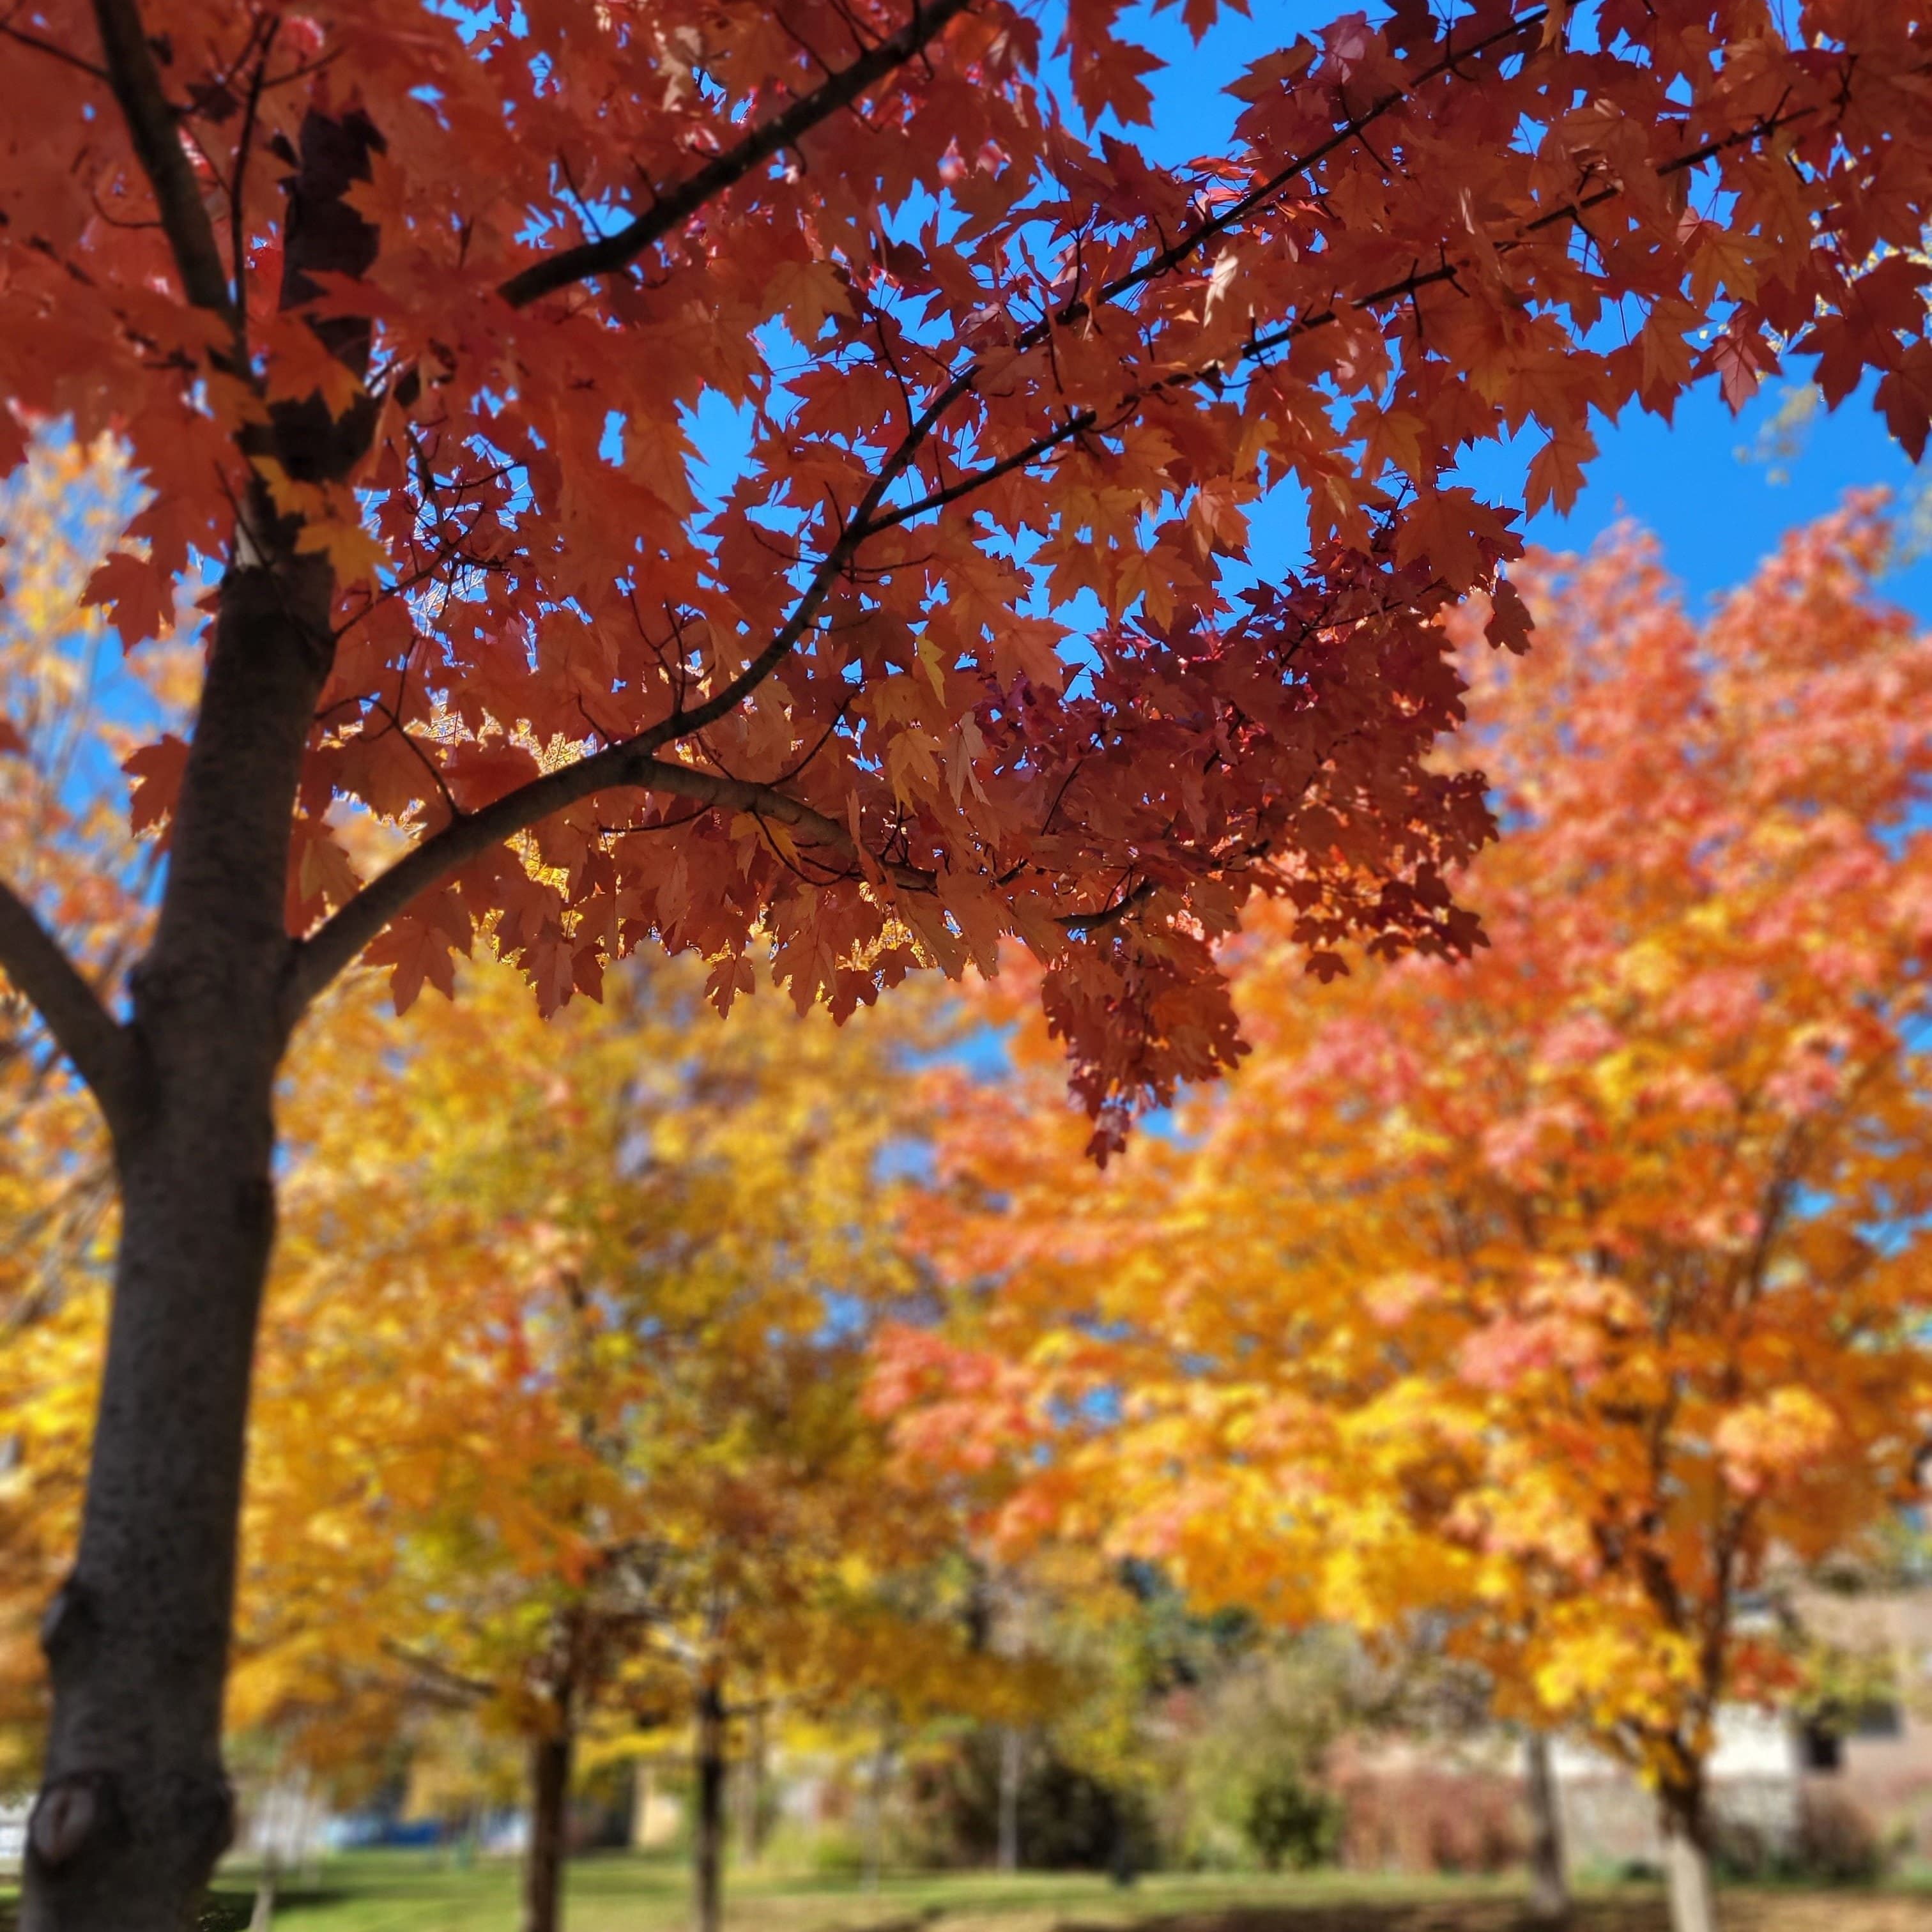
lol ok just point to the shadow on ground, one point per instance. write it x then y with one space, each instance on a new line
1738 1912
1462 1914
232 1911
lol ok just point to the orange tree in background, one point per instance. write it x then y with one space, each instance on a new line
1574 1294
560 1389
403 315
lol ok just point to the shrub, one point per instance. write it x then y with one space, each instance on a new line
1289 1822
1836 1841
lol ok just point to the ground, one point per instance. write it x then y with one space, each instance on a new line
413 1892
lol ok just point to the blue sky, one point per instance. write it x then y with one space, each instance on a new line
1717 512
1718 508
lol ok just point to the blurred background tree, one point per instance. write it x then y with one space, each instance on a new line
559 1413
1570 1301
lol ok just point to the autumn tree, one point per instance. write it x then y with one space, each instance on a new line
403 317
1577 1297
564 1354
60 677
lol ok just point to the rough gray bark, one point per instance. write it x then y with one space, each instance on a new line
708 1833
550 1802
1549 1882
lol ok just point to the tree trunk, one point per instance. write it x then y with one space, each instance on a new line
751 1789
134 1806
643 1789
708 1836
1687 1871
1548 1883
263 1918
549 1805
875 1813
1120 1864
1009 1855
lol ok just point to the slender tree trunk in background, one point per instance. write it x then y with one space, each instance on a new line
549 1814
1687 1863
1120 1863
263 1916
308 1850
708 1836
875 1812
1549 1882
752 1793
135 1807
1009 1855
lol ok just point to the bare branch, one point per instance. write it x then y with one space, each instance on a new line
83 1027
238 220
674 206
53 49
437 1678
152 126
1110 915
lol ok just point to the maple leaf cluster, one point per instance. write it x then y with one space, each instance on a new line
1568 1299
950 634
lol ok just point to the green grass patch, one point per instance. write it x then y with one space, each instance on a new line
418 1892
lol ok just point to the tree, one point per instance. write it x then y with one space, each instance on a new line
565 1348
1574 1296
404 317
58 514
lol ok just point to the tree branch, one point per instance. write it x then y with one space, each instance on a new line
317 959
1219 224
672 207
9 32
136 82
83 1027
452 1684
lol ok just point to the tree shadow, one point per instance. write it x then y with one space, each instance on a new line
1460 1915
227 1910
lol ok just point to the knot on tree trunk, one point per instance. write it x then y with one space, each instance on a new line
69 1623
66 1813
82 1834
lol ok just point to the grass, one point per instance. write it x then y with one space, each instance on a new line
416 1892
394 1892
405 1891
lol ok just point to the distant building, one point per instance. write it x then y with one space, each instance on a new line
1874 1761
1756 1784
1835 1791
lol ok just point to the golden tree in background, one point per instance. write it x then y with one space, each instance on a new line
559 1416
